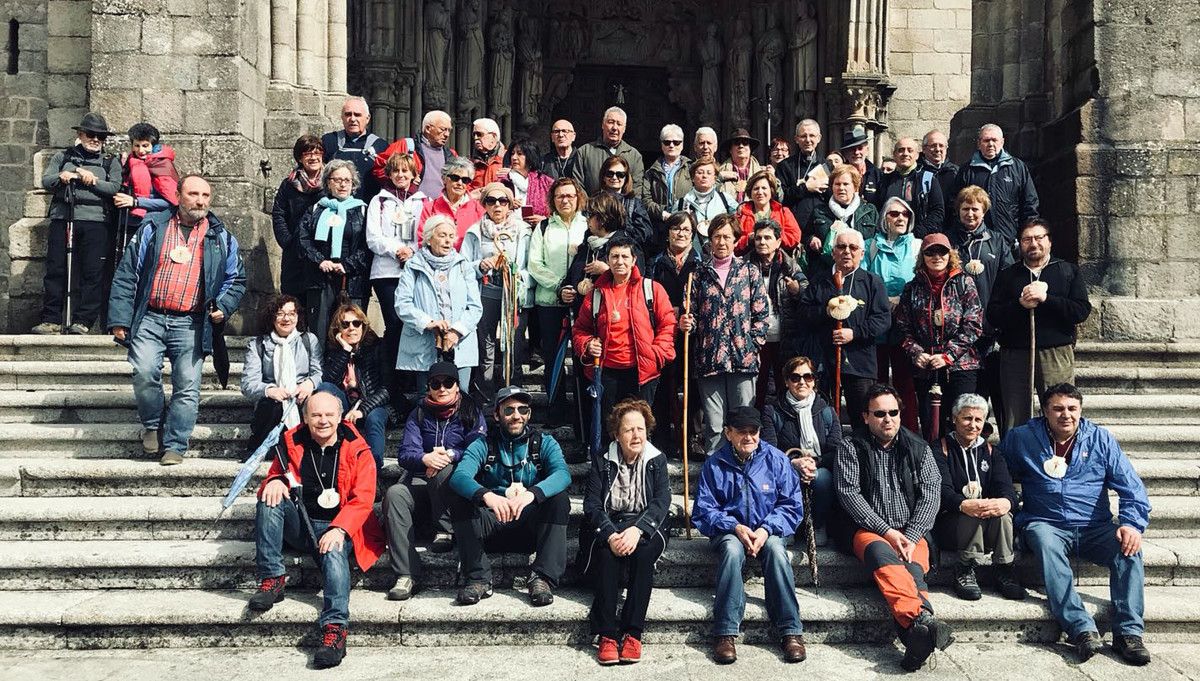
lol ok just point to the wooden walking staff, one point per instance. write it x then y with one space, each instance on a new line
687 310
810 532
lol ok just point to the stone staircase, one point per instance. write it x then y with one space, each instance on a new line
102 548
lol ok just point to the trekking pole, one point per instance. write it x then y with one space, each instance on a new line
683 426
68 287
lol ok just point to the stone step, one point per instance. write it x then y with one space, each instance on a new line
229 564
1135 379
1092 353
1142 409
1138 439
92 375
94 347
189 618
108 406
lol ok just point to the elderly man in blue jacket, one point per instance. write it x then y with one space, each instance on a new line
1067 466
748 502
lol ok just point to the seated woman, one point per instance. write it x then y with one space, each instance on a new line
802 419
435 436
282 368
356 370
627 500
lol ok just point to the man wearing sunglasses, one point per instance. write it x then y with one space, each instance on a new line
510 492
667 180
890 488
487 153
589 158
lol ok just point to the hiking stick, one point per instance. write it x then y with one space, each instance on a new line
683 426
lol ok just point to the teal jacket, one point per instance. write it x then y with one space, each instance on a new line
472 477
893 262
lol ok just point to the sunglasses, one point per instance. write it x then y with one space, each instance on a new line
441 383
796 378
672 143
880 413
522 409
348 323
615 173
493 200
897 213
458 178
847 247
935 252
93 135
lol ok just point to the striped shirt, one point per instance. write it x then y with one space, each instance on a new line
886 507
176 285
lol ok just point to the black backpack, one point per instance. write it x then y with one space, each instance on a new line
533 454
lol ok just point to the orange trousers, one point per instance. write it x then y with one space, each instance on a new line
901 583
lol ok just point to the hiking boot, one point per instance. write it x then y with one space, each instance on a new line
924 635
150 441
402 590
1006 582
724 651
473 592
78 329
171 459
607 653
46 329
1087 644
793 648
270 592
539 591
333 647
631 650
966 586
442 542
1128 646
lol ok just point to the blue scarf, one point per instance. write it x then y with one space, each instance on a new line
326 221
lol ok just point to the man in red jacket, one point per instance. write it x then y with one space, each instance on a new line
334 466
628 324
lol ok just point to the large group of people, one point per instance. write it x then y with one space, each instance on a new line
764 290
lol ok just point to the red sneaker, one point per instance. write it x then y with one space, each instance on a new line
631 650
608 651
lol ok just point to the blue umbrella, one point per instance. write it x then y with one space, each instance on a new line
248 469
596 391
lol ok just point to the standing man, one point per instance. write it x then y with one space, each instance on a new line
1050 293
854 150
1006 180
430 152
933 158
748 503
704 143
889 486
1068 466
612 142
181 273
354 144
917 186
557 162
84 182
667 180
487 153
802 191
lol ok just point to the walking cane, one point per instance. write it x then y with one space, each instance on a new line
837 353
810 532
69 288
935 410
687 310
1032 361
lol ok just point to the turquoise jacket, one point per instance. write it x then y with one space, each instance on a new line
472 477
893 261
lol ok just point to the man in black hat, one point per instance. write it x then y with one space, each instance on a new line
740 164
509 493
748 503
83 180
854 150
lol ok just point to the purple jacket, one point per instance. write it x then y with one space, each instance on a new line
422 432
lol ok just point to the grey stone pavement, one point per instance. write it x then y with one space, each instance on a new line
543 663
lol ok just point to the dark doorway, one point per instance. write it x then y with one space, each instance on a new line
641 91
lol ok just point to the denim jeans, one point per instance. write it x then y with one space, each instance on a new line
175 337
1098 544
730 604
273 527
373 425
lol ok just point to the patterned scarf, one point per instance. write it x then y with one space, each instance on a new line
302 183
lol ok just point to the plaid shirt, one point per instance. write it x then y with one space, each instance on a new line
887 507
176 286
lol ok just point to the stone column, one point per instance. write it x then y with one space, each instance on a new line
336 51
311 44
283 40
861 86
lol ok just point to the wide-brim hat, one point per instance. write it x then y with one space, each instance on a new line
740 134
94 123
853 138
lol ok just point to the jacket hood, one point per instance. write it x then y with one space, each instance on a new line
725 456
902 241
1002 159
648 453
423 265
903 204
1041 429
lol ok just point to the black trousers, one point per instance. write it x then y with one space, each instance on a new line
618 384
87 275
541 527
291 276
549 334
385 291
606 568
855 389
267 414
954 384
488 376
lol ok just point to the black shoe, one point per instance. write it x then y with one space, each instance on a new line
1087 644
918 646
473 592
966 586
333 647
1006 582
270 592
941 632
1131 649
539 591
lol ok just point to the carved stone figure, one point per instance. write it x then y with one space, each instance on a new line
470 59
437 46
711 56
529 49
771 48
500 40
804 58
738 68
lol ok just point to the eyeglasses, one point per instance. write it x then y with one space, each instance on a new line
680 228
93 135
287 315
615 173
1033 238
561 131
351 323
441 383
880 413
477 134
853 248
340 180
672 143
807 378
493 200
740 143
564 197
898 213
461 179
522 409
935 252
312 152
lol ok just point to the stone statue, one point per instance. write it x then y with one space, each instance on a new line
500 41
711 56
470 59
804 59
437 46
529 49
738 65
771 48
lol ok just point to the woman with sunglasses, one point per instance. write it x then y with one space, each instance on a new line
436 434
455 201
844 210
356 371
940 319
892 254
523 175
762 203
498 249
799 418
282 367
616 179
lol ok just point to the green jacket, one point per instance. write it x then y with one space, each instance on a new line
473 478
551 250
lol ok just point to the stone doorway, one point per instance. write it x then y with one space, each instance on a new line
643 92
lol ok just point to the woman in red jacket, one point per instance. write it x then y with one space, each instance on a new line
761 203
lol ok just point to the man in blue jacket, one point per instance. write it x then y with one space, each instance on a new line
1067 465
510 490
748 502
181 273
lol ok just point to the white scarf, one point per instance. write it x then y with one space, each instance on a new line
804 419
846 214
520 185
284 361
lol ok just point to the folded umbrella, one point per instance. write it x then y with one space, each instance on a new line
219 348
255 460
560 358
596 391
